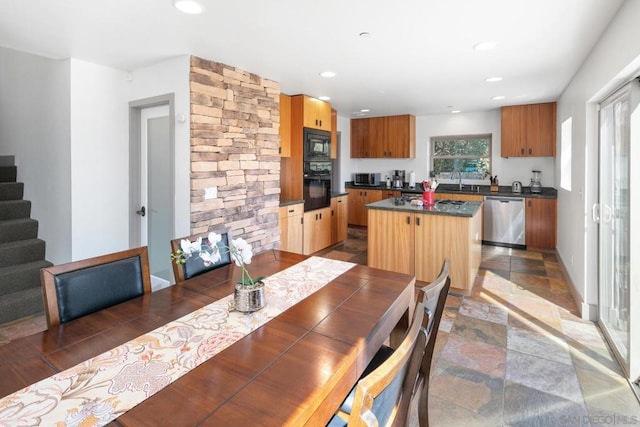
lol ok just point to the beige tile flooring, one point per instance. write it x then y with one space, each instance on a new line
514 353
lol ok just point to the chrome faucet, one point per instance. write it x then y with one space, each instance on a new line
459 179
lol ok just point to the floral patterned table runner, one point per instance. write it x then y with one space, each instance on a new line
100 389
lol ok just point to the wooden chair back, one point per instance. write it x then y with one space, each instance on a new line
382 397
194 265
82 287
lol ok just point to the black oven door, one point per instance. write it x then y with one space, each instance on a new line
317 145
316 192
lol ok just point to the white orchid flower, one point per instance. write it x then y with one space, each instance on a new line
242 251
210 257
214 238
191 247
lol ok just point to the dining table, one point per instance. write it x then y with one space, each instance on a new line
294 369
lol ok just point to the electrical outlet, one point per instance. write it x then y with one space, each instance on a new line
211 193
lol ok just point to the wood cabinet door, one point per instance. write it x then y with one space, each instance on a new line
285 126
324 115
513 131
540 223
339 212
541 130
317 230
334 134
359 134
401 140
391 242
291 228
376 144
316 114
356 206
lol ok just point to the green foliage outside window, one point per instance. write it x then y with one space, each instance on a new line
470 155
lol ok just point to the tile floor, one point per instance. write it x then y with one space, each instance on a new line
514 353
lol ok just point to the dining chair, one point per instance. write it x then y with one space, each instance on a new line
78 288
194 265
382 395
433 297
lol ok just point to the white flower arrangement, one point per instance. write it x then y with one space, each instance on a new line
239 250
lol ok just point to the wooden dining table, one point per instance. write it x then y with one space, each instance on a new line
296 369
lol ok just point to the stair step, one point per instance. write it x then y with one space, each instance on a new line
12 230
21 252
15 209
21 277
8 173
11 190
21 304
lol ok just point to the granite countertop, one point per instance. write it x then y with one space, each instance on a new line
482 190
442 207
290 202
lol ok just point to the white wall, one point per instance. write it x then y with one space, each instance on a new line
614 59
99 160
35 127
488 122
171 76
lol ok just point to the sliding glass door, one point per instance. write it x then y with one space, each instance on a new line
618 125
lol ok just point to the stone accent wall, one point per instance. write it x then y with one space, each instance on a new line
235 119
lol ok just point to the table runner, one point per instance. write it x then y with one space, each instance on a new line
104 387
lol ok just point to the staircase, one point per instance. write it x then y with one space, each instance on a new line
21 252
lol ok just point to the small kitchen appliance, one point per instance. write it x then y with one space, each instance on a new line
366 179
516 187
398 179
536 182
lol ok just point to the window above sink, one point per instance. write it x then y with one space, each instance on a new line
467 155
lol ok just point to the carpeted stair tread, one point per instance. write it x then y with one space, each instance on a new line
22 276
12 230
8 173
21 304
14 209
21 252
11 190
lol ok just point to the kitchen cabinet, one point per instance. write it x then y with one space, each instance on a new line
541 222
314 113
317 230
383 137
334 134
339 218
291 227
417 244
359 198
529 130
285 125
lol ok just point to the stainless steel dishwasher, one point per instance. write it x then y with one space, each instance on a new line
504 221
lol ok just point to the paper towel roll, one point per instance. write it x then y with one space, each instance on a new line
412 179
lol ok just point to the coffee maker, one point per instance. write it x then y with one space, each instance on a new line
536 182
398 179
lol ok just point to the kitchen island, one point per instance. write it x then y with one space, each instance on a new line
407 238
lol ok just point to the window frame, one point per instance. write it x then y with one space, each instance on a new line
489 156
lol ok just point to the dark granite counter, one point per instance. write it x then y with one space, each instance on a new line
290 202
442 207
483 190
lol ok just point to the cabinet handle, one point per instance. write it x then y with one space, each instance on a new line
332 212
409 220
339 201
291 210
522 151
301 220
320 216
529 150
529 203
418 221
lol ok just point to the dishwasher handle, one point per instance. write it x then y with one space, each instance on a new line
504 199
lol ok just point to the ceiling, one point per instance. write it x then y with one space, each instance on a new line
418 59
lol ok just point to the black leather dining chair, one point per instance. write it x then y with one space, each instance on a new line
78 288
194 265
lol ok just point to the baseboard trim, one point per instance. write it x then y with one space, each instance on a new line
587 311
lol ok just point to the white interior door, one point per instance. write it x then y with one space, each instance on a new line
155 191
618 300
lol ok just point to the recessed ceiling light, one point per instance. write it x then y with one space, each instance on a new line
324 98
365 34
327 74
192 7
455 111
497 98
365 110
484 46
492 79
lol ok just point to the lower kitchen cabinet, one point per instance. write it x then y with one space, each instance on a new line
317 230
291 227
457 196
418 244
359 198
541 222
339 219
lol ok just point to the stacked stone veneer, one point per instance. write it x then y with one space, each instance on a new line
235 118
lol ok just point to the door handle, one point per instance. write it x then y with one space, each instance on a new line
595 213
142 211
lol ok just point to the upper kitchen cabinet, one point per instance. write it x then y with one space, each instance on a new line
529 130
316 114
384 137
285 125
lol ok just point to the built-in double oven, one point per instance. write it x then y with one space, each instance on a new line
316 169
